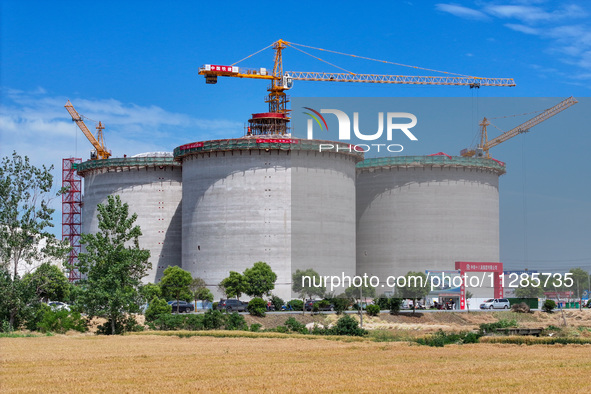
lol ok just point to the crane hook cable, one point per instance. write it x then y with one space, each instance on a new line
381 61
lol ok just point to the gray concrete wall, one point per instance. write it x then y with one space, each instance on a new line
236 211
155 195
291 209
419 218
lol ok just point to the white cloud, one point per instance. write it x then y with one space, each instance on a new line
531 14
523 28
550 21
36 124
461 11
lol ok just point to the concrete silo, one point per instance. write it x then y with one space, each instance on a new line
277 200
151 184
418 213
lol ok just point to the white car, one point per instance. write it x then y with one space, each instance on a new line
58 306
496 303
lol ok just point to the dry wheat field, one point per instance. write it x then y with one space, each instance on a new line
151 363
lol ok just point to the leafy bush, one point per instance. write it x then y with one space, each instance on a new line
277 302
6 327
235 321
315 307
383 302
281 329
214 306
295 326
503 323
296 305
373 310
440 338
318 330
123 324
395 305
346 325
257 307
34 315
340 304
324 304
548 306
157 307
167 322
213 320
61 321
193 322
255 327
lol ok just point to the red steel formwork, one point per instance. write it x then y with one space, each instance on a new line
71 212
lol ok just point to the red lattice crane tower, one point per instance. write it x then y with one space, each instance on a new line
71 212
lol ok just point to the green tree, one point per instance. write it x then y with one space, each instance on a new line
157 307
234 285
358 293
17 301
416 287
302 283
49 283
200 291
149 291
25 216
114 265
175 284
580 281
260 279
529 291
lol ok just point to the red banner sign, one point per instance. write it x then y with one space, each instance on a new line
559 294
227 69
276 141
191 146
479 267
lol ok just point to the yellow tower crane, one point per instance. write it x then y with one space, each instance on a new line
282 81
98 142
482 150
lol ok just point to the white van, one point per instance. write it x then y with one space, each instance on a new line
496 303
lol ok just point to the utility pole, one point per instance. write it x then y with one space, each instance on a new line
361 306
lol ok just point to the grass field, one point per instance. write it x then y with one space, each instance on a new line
151 363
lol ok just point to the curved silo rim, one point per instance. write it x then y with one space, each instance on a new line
434 161
126 162
279 143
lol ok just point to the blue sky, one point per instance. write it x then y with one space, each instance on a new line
133 65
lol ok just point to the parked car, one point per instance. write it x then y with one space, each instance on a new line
232 305
183 306
310 305
58 306
496 303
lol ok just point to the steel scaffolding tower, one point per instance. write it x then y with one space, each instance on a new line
71 212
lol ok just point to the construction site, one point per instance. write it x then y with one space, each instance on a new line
217 206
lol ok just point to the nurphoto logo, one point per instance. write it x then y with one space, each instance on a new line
391 124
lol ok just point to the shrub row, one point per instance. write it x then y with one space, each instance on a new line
210 320
346 325
491 327
441 338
